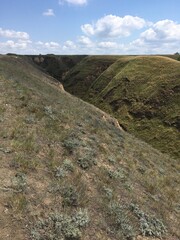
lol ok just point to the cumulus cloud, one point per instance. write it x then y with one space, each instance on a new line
21 41
103 37
85 41
48 45
165 30
14 45
49 13
112 26
73 2
162 37
69 45
52 45
107 45
6 33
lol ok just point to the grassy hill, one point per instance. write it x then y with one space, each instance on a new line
79 78
142 92
55 65
68 171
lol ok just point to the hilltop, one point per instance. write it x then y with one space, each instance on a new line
142 92
69 171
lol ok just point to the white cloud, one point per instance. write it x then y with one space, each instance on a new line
49 12
112 26
6 33
102 37
19 46
162 37
49 45
88 29
165 30
74 2
40 43
69 45
107 45
14 45
20 43
85 41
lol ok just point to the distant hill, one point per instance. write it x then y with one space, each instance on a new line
142 92
55 65
68 171
79 78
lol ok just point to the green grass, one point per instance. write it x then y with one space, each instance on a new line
52 137
55 65
142 92
80 77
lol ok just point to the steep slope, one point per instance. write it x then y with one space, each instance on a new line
81 76
143 93
68 171
56 65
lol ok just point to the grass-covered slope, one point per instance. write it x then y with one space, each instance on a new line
143 93
81 76
67 171
56 65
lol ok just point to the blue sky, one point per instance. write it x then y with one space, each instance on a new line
90 26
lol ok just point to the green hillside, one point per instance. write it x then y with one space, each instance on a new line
68 171
55 65
81 76
142 92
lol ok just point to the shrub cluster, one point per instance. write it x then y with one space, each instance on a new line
116 174
62 171
86 161
70 196
149 226
86 155
71 144
108 192
61 226
19 181
119 213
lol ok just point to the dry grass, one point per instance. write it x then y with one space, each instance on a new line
40 174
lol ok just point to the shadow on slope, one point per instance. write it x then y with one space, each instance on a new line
56 65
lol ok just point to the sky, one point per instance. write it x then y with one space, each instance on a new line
89 26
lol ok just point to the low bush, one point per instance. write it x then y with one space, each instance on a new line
70 196
116 174
108 192
120 219
64 169
61 226
149 226
19 182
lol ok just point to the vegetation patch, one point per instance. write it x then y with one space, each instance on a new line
70 196
116 174
71 143
120 219
149 226
140 91
61 226
63 170
87 162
